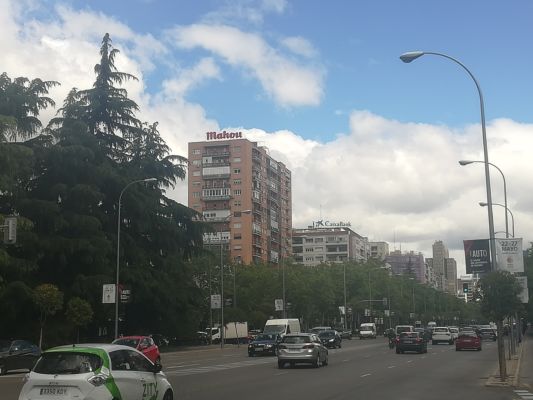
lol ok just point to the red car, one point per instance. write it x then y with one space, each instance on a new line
468 340
145 344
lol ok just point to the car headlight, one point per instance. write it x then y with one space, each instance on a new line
268 346
331 340
250 346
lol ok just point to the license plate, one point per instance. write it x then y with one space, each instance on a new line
53 391
258 349
294 350
408 341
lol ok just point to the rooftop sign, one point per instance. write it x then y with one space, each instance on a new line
223 135
329 224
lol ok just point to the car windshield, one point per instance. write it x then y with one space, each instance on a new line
296 339
408 335
274 329
467 335
440 330
131 342
5 345
266 337
67 363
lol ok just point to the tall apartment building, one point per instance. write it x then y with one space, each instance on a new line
450 269
379 250
407 263
245 194
313 246
440 254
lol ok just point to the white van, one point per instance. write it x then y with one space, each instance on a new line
368 330
282 326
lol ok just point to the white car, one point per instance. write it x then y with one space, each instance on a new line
454 331
95 372
441 334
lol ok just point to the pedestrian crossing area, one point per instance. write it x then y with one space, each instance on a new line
184 370
524 394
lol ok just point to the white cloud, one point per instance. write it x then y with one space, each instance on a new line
300 46
188 79
251 11
287 82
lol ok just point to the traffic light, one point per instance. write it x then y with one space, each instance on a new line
465 287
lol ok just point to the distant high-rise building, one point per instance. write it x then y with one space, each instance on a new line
450 268
379 250
440 254
245 193
313 246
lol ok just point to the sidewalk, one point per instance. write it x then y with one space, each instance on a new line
519 368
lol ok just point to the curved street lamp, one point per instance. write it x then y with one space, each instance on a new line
413 55
507 210
117 297
466 162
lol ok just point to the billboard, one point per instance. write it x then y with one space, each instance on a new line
477 256
509 255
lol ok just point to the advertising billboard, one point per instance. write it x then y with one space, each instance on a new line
477 256
509 255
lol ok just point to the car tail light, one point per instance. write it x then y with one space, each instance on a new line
309 346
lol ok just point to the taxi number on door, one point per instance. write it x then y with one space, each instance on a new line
53 391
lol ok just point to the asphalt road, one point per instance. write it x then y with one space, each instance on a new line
360 369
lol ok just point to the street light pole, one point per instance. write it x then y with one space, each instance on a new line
410 56
466 162
507 210
117 282
344 280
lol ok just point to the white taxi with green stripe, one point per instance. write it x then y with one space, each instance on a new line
95 372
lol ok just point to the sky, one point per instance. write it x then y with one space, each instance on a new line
369 139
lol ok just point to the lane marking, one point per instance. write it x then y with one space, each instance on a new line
409 361
181 366
365 375
391 366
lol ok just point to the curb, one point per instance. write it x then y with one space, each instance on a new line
513 375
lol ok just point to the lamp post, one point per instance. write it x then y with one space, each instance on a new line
117 296
222 326
413 55
344 281
466 162
507 210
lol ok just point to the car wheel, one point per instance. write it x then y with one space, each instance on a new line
168 395
397 351
316 363
433 342
450 342
457 349
479 349
280 364
340 345
250 354
326 361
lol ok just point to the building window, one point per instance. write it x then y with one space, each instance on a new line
319 249
236 170
308 240
236 181
195 173
308 258
237 247
197 163
237 149
237 203
308 249
237 225
196 183
237 236
237 159
237 192
195 194
319 240
196 151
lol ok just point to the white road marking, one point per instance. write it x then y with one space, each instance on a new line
365 375
409 361
345 360
181 366
391 366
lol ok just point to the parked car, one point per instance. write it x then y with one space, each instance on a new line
17 354
468 340
331 339
264 344
441 334
302 348
95 371
411 341
487 333
145 344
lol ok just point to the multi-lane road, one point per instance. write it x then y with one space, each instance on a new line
365 369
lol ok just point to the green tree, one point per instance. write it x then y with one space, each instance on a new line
49 300
79 313
500 300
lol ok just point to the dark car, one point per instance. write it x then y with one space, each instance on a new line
17 354
468 340
330 339
487 333
424 333
264 343
411 341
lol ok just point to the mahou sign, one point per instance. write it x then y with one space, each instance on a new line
223 135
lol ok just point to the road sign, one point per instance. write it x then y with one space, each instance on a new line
342 310
367 312
387 313
108 293
215 301
125 295
278 304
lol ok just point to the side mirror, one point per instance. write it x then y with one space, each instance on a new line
157 368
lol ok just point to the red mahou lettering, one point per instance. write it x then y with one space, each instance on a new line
223 135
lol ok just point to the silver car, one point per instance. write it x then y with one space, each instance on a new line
302 348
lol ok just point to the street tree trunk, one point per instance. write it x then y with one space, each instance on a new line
501 352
